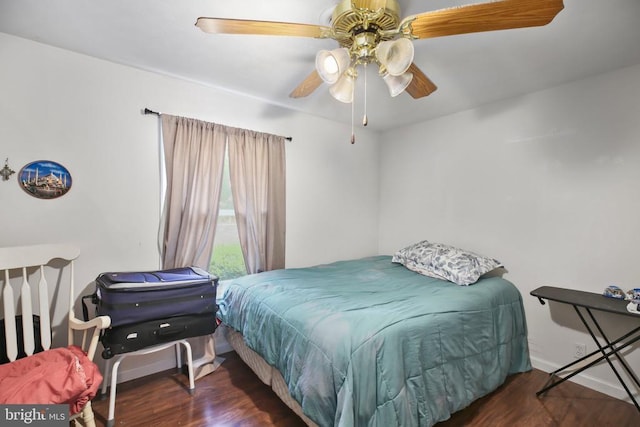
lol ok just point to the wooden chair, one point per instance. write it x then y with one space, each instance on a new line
25 271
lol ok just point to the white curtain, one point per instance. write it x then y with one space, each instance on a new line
257 172
194 159
194 162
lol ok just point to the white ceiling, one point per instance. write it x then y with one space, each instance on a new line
586 38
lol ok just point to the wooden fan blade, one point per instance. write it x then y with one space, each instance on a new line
420 84
499 15
309 84
269 28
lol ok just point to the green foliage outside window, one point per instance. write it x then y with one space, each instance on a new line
227 261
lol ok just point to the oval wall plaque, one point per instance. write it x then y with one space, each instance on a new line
45 179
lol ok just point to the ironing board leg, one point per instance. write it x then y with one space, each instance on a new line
105 380
112 392
178 355
187 346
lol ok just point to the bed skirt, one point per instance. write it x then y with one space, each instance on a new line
267 373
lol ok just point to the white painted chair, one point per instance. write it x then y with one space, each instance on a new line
25 270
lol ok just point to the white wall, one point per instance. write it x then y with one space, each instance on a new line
548 183
85 113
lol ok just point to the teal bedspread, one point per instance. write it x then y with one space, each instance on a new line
370 343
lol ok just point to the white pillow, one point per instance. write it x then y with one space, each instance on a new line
445 262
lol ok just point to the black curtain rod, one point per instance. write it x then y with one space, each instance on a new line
148 111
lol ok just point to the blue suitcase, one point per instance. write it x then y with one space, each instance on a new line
134 297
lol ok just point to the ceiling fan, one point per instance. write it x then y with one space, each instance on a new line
371 32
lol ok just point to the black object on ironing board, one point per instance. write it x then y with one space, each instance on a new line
128 338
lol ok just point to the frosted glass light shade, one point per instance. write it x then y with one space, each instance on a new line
330 64
344 88
395 56
397 84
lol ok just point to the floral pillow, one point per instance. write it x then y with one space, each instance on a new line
445 262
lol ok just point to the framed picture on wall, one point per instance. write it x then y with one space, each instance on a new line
45 179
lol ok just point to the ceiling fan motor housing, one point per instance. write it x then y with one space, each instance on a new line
363 24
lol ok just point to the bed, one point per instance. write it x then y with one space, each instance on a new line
369 342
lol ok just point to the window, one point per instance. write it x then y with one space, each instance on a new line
226 260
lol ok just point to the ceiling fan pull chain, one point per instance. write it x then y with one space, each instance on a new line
353 132
365 120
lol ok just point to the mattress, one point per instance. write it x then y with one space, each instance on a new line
369 342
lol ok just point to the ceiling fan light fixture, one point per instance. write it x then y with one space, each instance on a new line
395 56
331 64
397 84
344 87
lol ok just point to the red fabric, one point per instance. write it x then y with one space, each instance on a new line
61 375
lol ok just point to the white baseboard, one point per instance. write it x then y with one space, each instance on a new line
585 380
143 369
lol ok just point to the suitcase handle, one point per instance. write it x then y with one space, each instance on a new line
85 309
166 330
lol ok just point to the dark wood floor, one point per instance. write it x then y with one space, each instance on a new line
234 396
